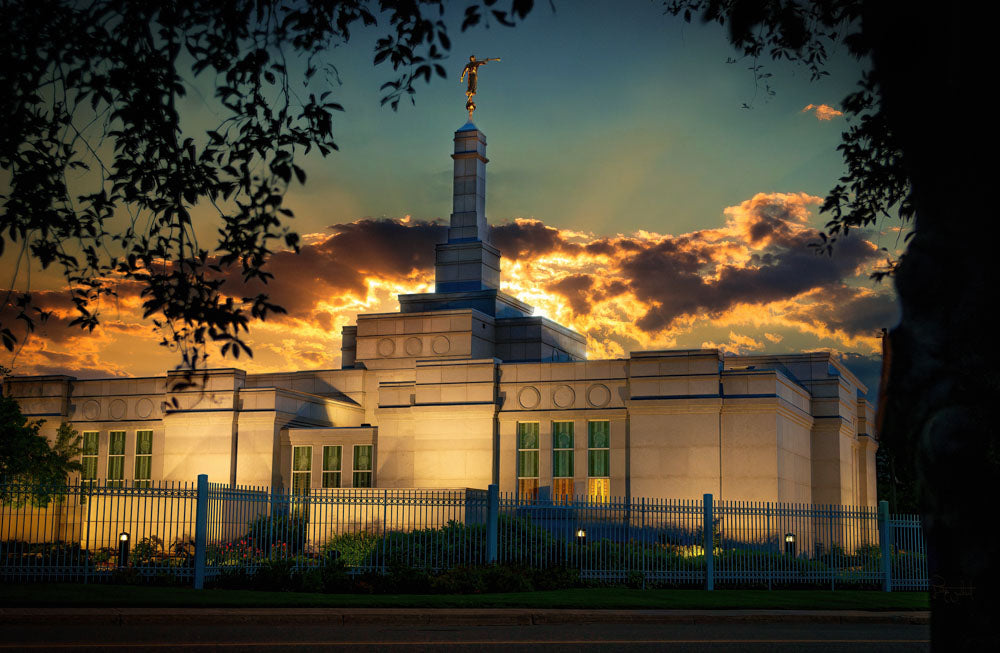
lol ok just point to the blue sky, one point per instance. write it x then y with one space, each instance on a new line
602 116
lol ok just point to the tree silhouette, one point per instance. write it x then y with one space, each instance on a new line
33 469
103 178
909 151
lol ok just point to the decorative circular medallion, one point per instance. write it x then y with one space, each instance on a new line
117 409
144 408
386 347
529 397
563 396
414 346
598 395
92 409
441 345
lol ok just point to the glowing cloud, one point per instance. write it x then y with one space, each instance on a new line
749 284
823 111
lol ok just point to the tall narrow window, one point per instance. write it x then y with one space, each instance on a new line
301 469
116 459
527 460
88 458
599 461
562 461
143 458
331 466
362 465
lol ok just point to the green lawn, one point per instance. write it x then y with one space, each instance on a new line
75 595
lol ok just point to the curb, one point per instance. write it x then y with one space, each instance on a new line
446 617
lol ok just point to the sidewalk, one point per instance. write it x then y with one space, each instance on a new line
448 617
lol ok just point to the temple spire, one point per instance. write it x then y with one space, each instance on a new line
468 262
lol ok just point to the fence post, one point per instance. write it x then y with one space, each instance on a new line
885 540
492 517
708 544
200 531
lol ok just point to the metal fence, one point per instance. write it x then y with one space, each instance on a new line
197 532
94 533
363 529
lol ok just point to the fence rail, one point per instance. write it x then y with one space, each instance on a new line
74 532
199 531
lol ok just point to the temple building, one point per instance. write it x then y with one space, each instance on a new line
465 387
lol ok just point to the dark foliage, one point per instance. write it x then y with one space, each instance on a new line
333 577
104 179
912 149
31 468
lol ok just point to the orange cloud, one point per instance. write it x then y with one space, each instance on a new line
823 111
737 344
749 284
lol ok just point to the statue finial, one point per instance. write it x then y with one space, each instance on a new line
472 70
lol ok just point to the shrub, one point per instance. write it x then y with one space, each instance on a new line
276 576
506 579
284 533
351 549
146 550
333 577
550 578
460 580
183 552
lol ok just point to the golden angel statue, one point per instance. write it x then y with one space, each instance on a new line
472 70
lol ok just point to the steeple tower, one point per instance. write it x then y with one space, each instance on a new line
467 316
468 262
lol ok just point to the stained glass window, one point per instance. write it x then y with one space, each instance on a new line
362 465
562 460
599 460
331 466
143 458
527 459
88 458
301 469
116 459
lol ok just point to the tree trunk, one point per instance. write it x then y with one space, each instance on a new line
943 388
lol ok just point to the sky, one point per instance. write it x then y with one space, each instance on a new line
633 196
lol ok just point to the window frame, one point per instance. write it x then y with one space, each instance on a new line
298 474
145 458
527 486
85 458
333 473
359 473
118 462
602 481
562 484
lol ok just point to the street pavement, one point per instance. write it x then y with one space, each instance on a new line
148 629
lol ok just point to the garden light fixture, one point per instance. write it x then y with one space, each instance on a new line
123 545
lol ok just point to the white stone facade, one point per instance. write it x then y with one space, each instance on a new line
435 397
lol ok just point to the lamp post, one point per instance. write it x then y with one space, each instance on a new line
581 540
123 544
790 544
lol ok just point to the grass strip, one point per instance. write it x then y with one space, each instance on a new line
95 596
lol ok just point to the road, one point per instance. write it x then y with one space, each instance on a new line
853 637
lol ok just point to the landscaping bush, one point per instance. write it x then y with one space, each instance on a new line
282 533
333 577
147 550
351 549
